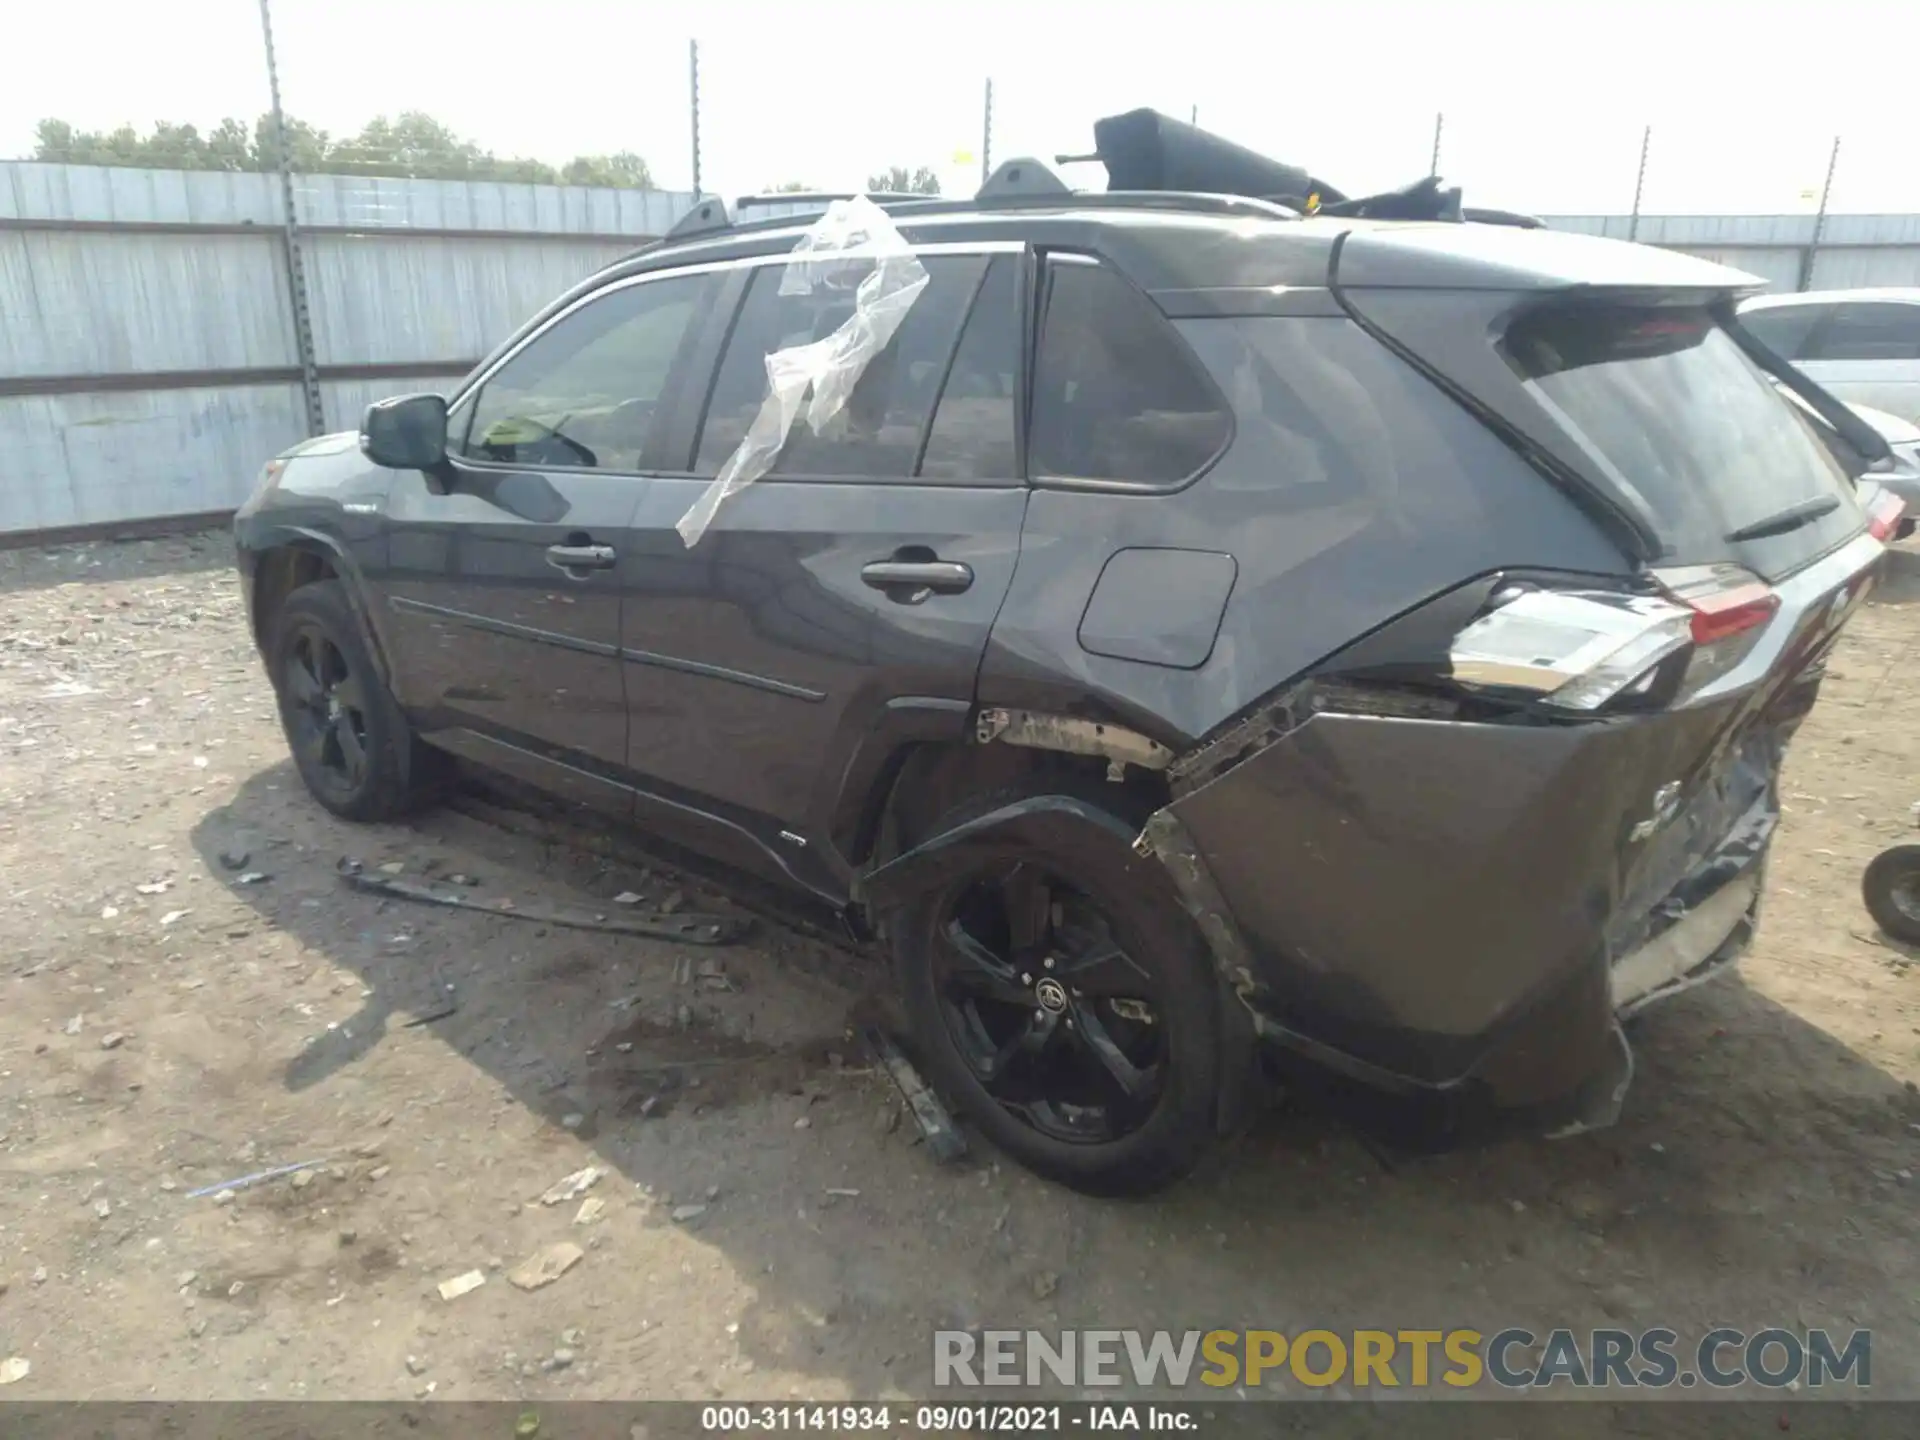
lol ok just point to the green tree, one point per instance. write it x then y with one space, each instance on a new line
308 149
622 170
896 180
412 144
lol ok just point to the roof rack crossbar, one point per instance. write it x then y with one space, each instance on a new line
827 197
1148 156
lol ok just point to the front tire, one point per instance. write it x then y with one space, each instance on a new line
351 744
1063 1000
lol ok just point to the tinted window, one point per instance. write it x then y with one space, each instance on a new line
1783 329
583 394
973 430
1869 332
1666 401
1116 397
878 431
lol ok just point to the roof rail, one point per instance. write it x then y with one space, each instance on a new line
827 197
714 216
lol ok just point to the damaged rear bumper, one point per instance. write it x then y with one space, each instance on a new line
1439 926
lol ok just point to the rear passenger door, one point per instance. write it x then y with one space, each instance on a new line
1868 353
867 567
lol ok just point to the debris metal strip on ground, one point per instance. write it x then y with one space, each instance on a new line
691 929
943 1137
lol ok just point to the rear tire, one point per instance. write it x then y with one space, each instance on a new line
353 748
1891 888
1085 1041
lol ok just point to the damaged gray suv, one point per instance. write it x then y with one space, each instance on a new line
1206 626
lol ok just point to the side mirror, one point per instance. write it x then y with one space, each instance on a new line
408 432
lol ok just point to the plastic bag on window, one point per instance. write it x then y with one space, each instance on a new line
854 246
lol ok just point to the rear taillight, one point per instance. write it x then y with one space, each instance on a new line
1573 649
1725 599
1578 650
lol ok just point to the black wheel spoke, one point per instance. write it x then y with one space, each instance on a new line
1111 1061
302 684
353 754
981 972
309 739
1029 1041
1102 969
1029 901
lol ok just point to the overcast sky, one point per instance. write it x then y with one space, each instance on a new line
1544 102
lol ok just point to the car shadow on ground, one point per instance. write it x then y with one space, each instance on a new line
1697 1209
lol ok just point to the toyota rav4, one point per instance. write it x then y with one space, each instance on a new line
1203 622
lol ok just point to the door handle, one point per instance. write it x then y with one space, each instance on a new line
925 577
582 557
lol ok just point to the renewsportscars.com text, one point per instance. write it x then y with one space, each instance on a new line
1511 1359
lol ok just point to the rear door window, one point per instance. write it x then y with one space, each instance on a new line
1877 330
1116 394
1664 401
879 430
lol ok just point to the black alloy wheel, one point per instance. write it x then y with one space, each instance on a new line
326 711
1058 1023
349 738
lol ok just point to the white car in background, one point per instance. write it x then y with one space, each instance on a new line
1862 345
1899 472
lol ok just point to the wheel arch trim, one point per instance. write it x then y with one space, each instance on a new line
353 581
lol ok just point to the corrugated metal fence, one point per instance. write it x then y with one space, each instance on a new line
1791 252
148 363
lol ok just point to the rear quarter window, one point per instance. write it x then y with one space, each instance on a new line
1116 395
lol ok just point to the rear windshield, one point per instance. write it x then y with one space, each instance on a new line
1672 409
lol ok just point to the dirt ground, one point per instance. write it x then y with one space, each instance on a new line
165 1027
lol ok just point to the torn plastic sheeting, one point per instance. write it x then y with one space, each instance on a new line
853 237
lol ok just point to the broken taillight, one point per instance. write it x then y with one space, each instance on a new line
1883 514
1574 649
1725 599
1577 650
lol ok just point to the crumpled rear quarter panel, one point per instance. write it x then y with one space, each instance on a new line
1410 888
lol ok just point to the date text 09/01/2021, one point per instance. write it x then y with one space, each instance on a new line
945 1419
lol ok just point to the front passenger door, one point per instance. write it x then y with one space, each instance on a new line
507 577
